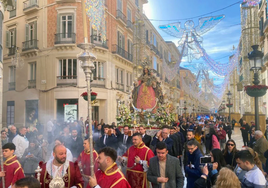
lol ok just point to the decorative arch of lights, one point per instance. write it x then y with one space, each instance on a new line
190 45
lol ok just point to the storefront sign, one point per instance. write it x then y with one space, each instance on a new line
70 112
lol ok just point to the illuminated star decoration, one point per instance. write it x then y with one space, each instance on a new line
95 11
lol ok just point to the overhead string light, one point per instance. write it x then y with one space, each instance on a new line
95 10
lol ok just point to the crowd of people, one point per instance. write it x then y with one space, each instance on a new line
197 150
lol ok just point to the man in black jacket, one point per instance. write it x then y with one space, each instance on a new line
177 145
124 140
145 137
76 144
107 139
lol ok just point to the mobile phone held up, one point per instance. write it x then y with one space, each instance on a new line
205 159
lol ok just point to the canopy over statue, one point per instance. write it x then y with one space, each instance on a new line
147 92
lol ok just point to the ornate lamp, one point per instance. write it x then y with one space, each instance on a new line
229 105
255 61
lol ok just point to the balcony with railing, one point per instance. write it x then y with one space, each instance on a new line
30 6
98 82
12 13
67 80
12 50
97 40
129 25
153 48
148 42
120 86
120 51
31 84
11 86
65 38
29 45
121 16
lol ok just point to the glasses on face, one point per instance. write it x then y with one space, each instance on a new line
230 144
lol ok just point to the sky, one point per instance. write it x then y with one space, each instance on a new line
218 42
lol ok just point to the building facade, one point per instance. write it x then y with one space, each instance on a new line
44 80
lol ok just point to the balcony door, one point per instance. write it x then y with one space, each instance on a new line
65 27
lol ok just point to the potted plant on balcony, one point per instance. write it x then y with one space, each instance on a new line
93 96
229 105
256 90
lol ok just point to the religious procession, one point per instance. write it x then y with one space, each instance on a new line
133 94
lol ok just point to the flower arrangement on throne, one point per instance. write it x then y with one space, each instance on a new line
147 90
165 114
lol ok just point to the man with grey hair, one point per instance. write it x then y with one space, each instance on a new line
261 145
12 132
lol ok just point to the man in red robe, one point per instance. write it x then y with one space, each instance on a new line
12 168
84 161
60 171
108 175
137 158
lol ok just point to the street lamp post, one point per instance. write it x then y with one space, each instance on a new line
229 96
185 108
87 58
255 60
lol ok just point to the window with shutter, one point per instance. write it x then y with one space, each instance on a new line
137 3
129 14
10 112
11 38
119 5
8 45
12 74
65 27
32 67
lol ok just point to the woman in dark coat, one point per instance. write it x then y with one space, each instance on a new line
229 153
31 158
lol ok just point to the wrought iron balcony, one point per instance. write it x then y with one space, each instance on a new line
12 50
67 80
98 42
30 4
11 86
30 44
120 51
98 82
65 38
12 13
154 49
120 86
129 24
31 84
120 15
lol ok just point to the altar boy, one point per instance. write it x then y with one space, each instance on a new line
12 167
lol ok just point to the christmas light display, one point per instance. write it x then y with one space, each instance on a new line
95 11
190 46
